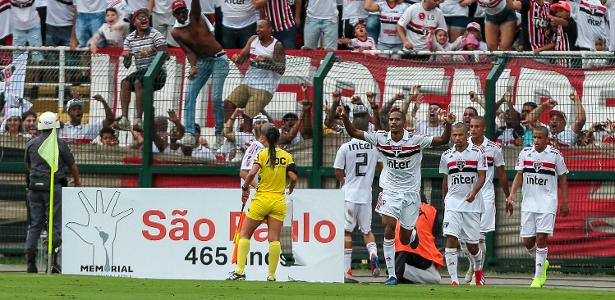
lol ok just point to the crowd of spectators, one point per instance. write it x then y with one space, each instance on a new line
524 25
363 24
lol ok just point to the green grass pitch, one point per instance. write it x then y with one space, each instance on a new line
22 286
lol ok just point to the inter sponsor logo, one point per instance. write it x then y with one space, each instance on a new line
398 165
536 180
360 146
460 179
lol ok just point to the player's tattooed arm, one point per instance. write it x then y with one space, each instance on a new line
352 131
446 135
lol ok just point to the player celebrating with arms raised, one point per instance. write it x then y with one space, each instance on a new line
401 153
272 165
464 167
538 170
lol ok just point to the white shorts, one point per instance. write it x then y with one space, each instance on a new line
533 223
402 206
487 218
358 214
464 226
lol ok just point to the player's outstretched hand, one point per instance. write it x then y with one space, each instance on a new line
563 210
510 204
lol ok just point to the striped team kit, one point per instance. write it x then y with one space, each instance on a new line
539 189
400 179
419 22
462 218
495 158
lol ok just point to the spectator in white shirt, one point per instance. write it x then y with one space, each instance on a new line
112 33
59 25
591 19
416 23
26 27
560 133
90 16
353 13
610 6
75 130
5 22
456 15
238 23
162 18
321 19
389 12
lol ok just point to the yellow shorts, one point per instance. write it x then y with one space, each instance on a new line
267 204
250 99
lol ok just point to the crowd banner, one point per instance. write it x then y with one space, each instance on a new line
188 233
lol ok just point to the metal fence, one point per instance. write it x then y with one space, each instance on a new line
314 82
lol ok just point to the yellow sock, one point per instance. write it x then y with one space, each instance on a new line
242 255
274 257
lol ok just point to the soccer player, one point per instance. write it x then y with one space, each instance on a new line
355 165
401 154
540 170
495 163
255 147
464 167
272 165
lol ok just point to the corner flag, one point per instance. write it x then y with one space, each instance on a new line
49 152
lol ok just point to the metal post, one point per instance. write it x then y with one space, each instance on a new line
61 77
315 180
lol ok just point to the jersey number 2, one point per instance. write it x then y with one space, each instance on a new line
359 163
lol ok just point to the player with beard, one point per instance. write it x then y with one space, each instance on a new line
401 154
193 33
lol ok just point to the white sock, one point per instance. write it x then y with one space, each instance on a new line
482 246
464 248
532 252
451 263
347 259
388 249
541 256
477 260
372 249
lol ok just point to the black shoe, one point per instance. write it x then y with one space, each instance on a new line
32 268
236 276
414 243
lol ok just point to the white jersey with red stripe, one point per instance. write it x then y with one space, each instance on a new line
259 78
492 7
358 160
590 16
401 160
462 171
566 137
248 158
367 44
540 175
495 158
389 16
418 22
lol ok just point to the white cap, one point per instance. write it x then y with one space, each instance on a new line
48 120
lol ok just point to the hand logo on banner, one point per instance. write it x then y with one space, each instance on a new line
101 228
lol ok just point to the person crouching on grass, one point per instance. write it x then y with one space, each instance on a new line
272 165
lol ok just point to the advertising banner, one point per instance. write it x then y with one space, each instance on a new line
188 233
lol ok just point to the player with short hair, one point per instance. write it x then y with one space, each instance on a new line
401 154
272 165
540 170
355 165
495 163
464 167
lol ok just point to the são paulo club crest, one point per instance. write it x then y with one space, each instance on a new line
537 165
396 150
461 164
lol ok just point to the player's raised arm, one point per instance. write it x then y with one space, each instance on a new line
446 135
352 131
195 12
